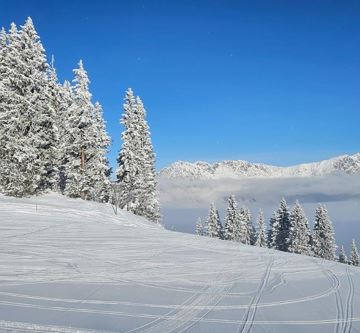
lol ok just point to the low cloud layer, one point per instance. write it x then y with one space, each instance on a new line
183 201
194 194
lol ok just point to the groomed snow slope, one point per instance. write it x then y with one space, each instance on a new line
72 266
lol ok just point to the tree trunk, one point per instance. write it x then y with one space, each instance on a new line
82 168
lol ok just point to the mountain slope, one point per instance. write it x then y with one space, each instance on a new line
349 164
73 266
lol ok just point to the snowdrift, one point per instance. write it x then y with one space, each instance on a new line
73 266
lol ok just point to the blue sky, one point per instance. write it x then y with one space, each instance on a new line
267 81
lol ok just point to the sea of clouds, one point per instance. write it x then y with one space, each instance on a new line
183 201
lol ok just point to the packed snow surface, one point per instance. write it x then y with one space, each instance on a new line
349 164
73 266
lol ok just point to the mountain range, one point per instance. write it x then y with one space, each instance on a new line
349 164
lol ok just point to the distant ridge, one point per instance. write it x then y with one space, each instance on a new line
349 164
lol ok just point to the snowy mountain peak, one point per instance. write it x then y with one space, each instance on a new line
349 164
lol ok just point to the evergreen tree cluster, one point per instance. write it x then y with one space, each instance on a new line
53 137
288 230
237 226
354 255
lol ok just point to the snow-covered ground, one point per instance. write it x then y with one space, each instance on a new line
73 266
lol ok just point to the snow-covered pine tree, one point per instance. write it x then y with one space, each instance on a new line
3 49
354 257
80 126
241 230
252 229
27 132
100 190
272 231
65 132
3 38
219 226
231 219
278 236
128 159
200 228
299 233
342 256
86 144
206 226
13 178
323 241
43 133
237 226
3 92
214 224
136 162
261 240
149 205
49 130
246 230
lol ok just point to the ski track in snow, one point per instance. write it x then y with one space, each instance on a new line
251 311
345 309
349 303
73 266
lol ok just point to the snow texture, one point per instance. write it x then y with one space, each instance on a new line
68 265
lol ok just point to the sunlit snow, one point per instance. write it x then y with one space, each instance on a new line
73 266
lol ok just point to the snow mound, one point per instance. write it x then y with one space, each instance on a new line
73 266
349 164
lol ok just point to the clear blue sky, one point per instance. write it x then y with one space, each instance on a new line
268 81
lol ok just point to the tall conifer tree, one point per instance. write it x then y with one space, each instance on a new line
342 256
279 231
246 227
128 166
86 168
231 219
214 224
323 241
149 206
299 233
261 240
101 184
200 228
136 162
354 257
28 132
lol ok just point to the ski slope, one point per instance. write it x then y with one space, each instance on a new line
73 266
